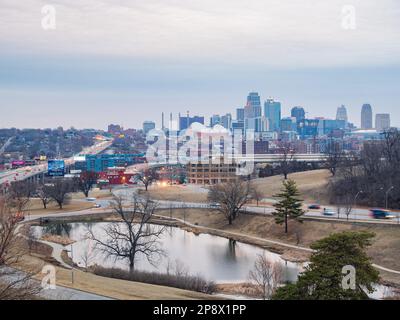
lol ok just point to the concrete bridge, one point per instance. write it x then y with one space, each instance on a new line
274 158
38 172
256 158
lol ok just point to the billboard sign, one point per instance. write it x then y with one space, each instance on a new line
56 168
18 164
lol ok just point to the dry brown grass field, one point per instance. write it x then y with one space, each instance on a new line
113 288
35 207
189 193
385 250
312 185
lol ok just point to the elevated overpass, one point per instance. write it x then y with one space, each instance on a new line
274 158
256 158
34 173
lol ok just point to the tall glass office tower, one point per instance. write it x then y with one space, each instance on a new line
252 110
253 106
272 111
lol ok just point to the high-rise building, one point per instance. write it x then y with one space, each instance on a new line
308 128
298 113
226 121
288 124
253 106
215 119
328 126
366 117
240 114
382 122
262 124
238 125
148 126
252 110
185 122
341 114
272 111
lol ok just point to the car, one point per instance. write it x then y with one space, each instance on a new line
314 207
381 214
91 199
97 206
328 212
214 205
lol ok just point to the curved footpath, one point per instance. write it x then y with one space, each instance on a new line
57 250
165 205
59 293
282 244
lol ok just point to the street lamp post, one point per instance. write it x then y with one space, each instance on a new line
355 203
72 267
387 197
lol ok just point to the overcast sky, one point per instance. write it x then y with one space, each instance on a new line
111 61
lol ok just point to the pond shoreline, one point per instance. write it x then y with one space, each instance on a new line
288 254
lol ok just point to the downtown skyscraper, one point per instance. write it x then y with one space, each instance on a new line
341 114
252 111
366 117
253 106
272 111
382 122
298 113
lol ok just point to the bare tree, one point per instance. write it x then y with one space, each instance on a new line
267 275
31 239
85 182
346 203
147 177
298 232
231 197
20 194
134 235
14 284
43 194
256 195
286 159
379 169
59 191
88 254
334 156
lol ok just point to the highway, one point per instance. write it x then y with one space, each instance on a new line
6 144
128 192
27 172
357 214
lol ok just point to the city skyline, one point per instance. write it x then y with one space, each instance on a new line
129 62
354 116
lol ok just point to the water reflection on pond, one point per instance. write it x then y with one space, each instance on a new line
216 258
213 257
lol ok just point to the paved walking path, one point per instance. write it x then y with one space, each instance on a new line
129 192
59 293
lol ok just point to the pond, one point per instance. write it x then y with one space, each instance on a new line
215 258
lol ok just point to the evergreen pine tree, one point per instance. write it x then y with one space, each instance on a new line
324 276
289 205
